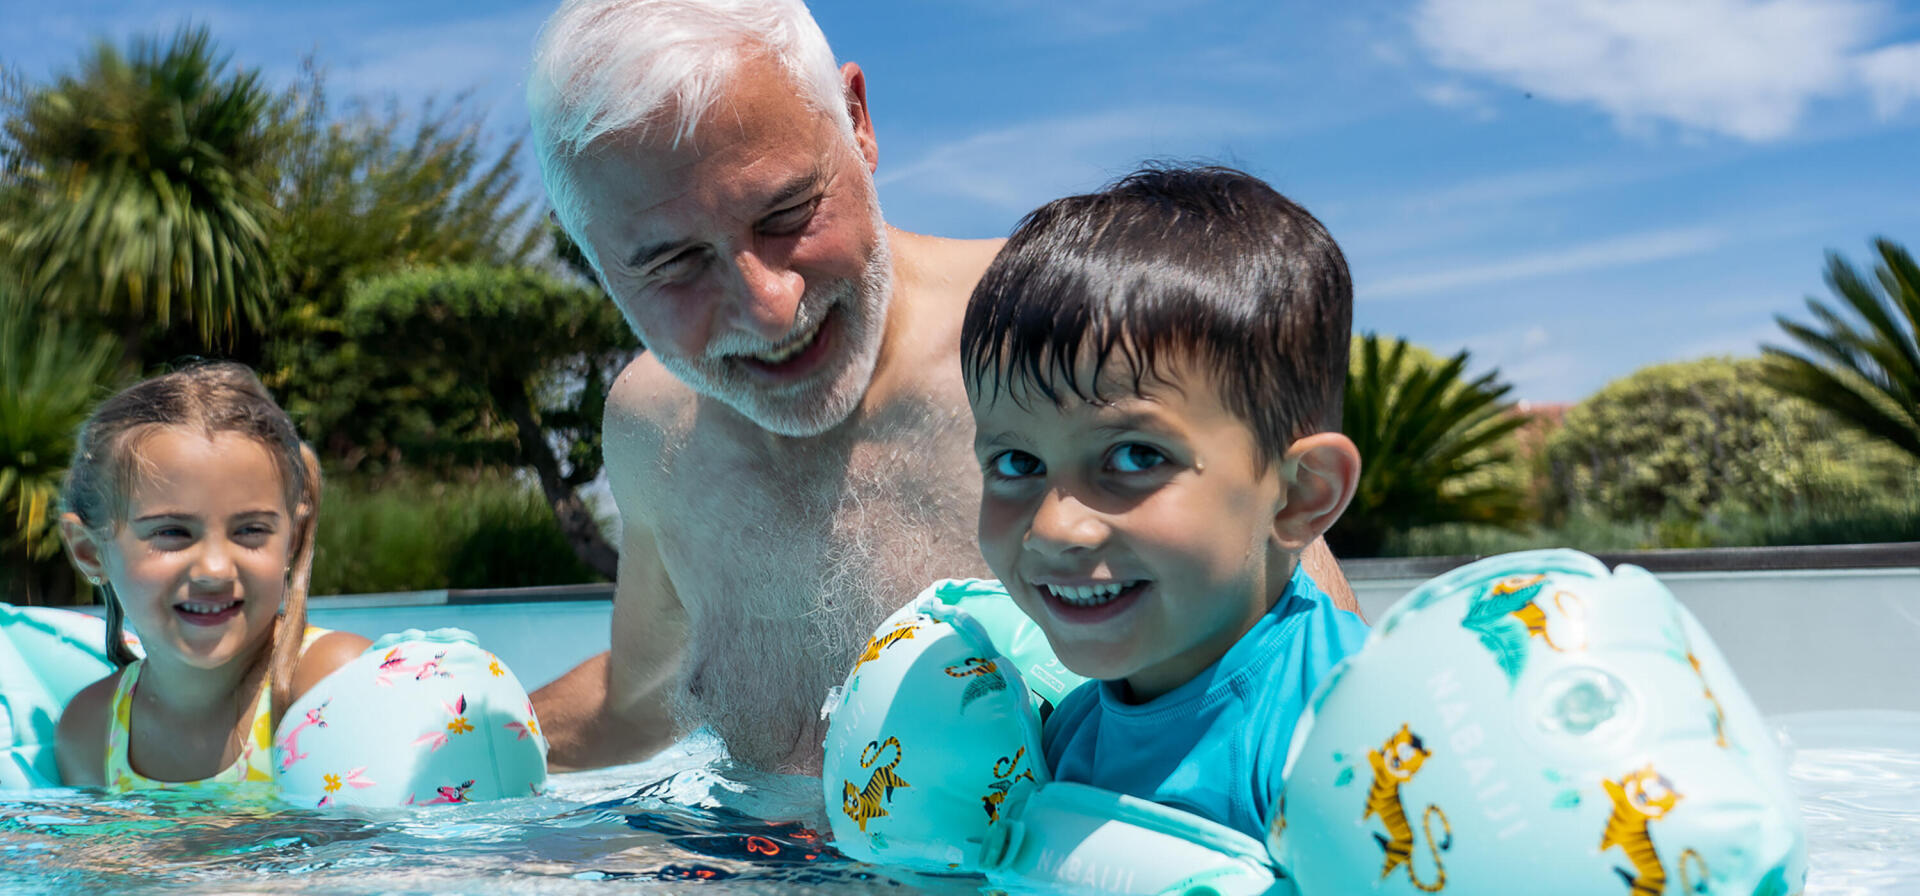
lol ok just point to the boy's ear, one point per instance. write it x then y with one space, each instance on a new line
83 546
1321 473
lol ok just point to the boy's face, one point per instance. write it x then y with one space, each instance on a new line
1139 534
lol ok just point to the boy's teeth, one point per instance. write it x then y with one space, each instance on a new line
1088 595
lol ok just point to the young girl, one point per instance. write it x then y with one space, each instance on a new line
190 503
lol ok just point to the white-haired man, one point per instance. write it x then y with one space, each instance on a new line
792 457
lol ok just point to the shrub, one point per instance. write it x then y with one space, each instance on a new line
414 534
1694 441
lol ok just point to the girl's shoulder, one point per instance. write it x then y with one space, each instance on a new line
326 654
81 737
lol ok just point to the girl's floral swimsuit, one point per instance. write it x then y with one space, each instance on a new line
255 765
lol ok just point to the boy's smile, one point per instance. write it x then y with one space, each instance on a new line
1138 533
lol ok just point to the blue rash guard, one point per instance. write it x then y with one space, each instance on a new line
1214 746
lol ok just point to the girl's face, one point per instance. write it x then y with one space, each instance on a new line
200 563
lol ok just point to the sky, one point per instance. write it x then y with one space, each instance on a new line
1569 189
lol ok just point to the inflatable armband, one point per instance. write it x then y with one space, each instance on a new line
46 657
419 718
1534 724
932 740
1071 838
933 762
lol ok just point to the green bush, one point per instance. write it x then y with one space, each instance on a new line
414 535
1691 443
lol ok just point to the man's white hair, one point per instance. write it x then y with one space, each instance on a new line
653 68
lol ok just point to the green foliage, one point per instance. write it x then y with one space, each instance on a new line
50 377
139 187
366 195
413 534
1868 376
1433 445
510 365
1690 441
482 352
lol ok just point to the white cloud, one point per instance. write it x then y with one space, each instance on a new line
1626 250
1019 167
1892 77
1453 95
1744 68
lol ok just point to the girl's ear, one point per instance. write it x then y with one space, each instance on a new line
1320 473
84 546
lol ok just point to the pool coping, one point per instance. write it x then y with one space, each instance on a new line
1892 555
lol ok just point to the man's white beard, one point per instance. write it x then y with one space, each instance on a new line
861 305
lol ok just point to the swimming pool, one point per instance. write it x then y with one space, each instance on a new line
688 822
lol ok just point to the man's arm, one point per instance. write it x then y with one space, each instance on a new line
1326 574
618 707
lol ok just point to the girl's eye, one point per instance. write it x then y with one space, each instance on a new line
1134 457
1015 465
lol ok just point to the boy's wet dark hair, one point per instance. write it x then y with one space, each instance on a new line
1204 263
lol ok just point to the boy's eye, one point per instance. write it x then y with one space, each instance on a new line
1134 457
1015 465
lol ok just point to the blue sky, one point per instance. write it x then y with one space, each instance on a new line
1571 189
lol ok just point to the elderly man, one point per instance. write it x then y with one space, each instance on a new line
792 457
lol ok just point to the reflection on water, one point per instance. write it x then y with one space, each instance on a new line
704 826
1858 775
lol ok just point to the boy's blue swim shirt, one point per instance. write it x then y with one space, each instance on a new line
1215 746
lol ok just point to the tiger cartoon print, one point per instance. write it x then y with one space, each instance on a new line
881 642
1719 715
1531 615
1005 772
868 802
1394 764
1639 799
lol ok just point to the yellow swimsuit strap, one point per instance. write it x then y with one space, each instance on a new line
255 763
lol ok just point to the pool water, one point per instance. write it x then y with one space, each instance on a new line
701 825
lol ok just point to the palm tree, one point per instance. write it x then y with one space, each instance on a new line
1430 444
1867 376
50 377
146 197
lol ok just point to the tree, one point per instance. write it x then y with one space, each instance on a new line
508 366
1430 444
1868 377
1697 439
362 196
50 377
141 188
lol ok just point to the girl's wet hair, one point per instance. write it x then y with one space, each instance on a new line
1205 264
208 399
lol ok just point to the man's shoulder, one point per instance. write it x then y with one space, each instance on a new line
940 268
643 405
646 407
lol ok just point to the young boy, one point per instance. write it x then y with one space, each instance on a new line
1155 372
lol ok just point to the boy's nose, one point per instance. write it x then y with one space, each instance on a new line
1064 524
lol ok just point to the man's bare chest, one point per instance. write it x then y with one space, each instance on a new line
891 510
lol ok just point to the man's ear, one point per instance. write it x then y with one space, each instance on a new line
1321 473
84 547
853 83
